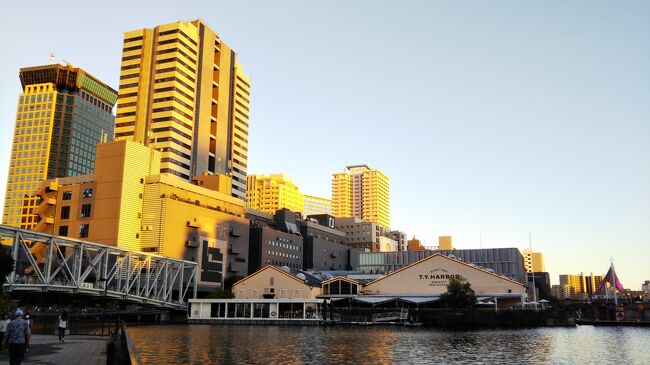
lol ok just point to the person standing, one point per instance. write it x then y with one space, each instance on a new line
63 323
3 328
18 335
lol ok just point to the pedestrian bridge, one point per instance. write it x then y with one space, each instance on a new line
49 263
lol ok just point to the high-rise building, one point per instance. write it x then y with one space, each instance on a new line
269 193
361 192
316 205
183 92
62 114
534 261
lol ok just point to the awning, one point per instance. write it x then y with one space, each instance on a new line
373 300
417 300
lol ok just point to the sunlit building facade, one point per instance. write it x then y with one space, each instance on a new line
128 203
269 193
361 192
62 114
316 205
534 261
183 92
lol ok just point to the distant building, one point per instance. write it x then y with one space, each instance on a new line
62 113
503 261
274 240
581 287
387 244
542 281
132 205
445 243
645 287
361 192
360 234
561 291
270 193
534 261
315 205
324 246
414 244
400 237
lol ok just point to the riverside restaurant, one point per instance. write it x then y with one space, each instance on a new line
275 295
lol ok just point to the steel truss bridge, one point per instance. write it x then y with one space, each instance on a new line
49 263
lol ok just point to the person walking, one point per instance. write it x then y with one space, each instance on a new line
18 335
3 328
63 323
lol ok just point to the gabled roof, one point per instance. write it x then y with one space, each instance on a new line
447 258
353 281
279 270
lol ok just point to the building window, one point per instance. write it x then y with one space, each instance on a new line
83 230
67 195
65 212
85 211
63 230
88 193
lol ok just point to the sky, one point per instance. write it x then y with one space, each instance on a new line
493 120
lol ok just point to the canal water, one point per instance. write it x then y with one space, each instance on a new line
220 344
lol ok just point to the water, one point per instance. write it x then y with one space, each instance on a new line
205 344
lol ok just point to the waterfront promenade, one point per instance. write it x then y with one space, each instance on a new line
76 350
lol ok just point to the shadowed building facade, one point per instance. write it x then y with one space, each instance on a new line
62 114
183 93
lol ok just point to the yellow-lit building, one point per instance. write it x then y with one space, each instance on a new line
128 203
316 205
533 261
361 192
445 243
62 113
183 92
270 193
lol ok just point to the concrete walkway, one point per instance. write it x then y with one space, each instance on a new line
76 350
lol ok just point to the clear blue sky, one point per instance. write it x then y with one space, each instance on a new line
494 118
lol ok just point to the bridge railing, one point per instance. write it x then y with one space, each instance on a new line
54 263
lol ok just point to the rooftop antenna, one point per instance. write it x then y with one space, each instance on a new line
52 57
68 63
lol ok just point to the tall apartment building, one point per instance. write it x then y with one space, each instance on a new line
62 113
315 205
361 192
270 193
183 93
534 261
128 203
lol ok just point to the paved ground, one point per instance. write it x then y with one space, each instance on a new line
76 350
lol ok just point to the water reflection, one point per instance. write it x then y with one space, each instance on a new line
205 344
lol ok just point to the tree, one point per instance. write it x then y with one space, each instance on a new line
6 264
459 294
